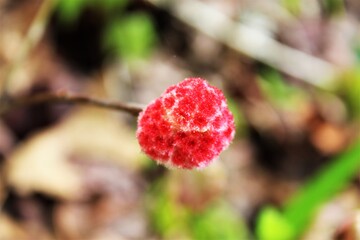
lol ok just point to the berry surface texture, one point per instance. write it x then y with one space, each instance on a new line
187 126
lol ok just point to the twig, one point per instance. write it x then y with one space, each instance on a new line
251 42
67 98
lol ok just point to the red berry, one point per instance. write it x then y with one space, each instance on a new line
187 126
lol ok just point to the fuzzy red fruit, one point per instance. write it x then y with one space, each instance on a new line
187 126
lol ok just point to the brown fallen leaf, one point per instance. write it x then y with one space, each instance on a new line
43 163
9 229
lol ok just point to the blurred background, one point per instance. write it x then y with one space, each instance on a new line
290 70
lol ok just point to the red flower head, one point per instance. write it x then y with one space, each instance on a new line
187 126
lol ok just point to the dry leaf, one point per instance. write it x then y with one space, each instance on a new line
42 163
10 230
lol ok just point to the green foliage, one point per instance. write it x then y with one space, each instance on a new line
301 208
239 119
272 225
69 10
167 216
278 91
131 37
218 222
128 36
357 52
334 177
293 6
171 219
332 7
349 90
109 5
322 187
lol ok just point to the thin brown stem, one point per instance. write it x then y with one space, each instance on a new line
68 98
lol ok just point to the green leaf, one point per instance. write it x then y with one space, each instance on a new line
357 52
239 119
272 225
333 6
349 90
132 37
293 6
218 222
168 217
69 10
301 208
278 91
111 4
